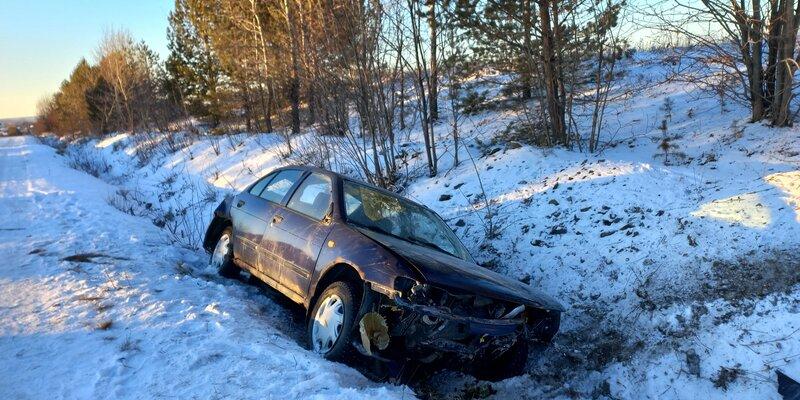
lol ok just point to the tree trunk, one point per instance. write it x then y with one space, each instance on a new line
598 76
554 107
247 109
402 100
258 34
773 44
270 105
563 102
422 78
433 92
311 118
785 66
756 74
294 84
527 53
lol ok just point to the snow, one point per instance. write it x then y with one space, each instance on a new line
680 273
175 330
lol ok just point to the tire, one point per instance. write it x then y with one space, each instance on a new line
336 306
221 258
507 365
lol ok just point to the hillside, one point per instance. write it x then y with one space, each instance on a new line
675 249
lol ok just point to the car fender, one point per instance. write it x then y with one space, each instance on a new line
220 219
373 263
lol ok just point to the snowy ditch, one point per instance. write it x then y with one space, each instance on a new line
680 296
679 268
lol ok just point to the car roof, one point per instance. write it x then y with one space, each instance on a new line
313 169
342 177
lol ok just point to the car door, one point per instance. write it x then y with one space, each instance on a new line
249 214
299 229
258 206
274 194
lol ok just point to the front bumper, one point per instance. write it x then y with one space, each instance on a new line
427 333
471 325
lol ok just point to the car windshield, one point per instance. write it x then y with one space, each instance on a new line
391 215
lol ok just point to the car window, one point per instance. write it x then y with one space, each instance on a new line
313 197
258 187
395 216
280 185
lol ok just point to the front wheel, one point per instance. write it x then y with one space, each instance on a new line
330 324
222 256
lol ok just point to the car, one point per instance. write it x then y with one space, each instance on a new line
378 274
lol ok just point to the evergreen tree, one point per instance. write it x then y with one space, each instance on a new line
193 70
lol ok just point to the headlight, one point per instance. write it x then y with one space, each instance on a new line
404 285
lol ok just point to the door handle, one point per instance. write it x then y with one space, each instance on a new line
277 219
240 203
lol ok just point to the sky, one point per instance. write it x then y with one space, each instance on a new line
41 41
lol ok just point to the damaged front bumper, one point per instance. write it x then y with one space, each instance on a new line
428 332
466 324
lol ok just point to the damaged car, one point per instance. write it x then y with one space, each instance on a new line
378 274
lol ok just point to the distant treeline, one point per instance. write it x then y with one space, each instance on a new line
125 90
279 65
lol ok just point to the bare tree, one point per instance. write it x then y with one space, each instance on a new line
422 80
433 33
290 10
731 49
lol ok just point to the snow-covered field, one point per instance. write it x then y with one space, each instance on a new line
680 271
95 303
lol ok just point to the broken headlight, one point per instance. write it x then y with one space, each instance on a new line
420 293
404 285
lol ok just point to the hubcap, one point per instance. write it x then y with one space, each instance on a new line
328 324
221 251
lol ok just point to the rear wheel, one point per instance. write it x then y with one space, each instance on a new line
222 256
330 324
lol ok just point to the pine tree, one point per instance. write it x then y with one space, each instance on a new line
193 70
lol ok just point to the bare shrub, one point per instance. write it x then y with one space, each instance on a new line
146 147
175 142
129 346
185 225
214 141
85 160
130 202
182 217
234 142
316 150
55 142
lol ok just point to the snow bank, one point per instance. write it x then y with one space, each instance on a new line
95 303
679 268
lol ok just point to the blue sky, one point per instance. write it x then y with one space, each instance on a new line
42 40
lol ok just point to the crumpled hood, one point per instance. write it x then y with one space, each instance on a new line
445 271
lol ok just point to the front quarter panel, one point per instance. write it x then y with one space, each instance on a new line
374 263
220 219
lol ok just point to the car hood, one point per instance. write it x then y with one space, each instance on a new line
443 270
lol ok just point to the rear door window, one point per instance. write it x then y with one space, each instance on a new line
259 187
277 188
313 197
